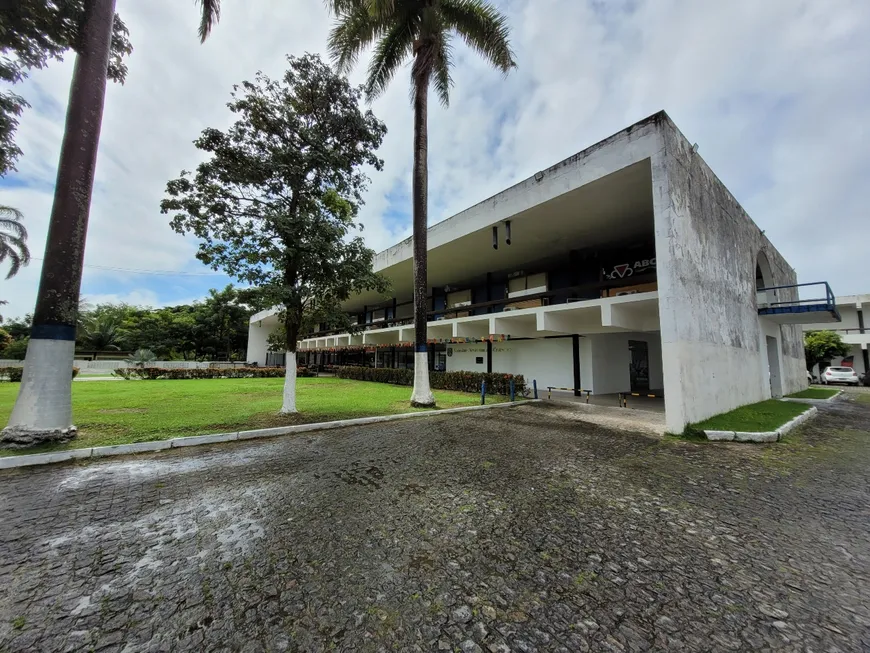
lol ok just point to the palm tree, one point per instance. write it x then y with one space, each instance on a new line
13 240
101 333
141 357
421 30
43 408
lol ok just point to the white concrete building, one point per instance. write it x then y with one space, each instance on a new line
855 313
627 267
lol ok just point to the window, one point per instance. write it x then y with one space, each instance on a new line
528 285
459 298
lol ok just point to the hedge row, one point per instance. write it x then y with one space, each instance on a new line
14 374
153 373
498 384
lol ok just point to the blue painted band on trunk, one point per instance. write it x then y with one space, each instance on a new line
52 332
421 349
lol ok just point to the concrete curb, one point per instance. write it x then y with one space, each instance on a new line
28 460
816 402
762 436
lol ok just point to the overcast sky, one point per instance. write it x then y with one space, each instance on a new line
776 94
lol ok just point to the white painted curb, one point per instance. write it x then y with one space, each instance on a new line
9 462
762 436
818 402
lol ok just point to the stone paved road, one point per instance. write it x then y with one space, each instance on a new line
496 531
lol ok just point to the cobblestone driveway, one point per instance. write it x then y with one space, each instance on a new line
494 531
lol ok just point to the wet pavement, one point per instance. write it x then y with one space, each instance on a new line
503 530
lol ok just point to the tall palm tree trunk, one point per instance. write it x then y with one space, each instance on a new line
422 394
43 409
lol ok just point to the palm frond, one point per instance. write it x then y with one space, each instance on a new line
441 79
340 7
13 240
211 14
355 30
15 262
14 227
483 28
10 213
388 55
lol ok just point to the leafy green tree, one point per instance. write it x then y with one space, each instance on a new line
226 322
13 240
823 346
16 349
19 327
421 30
101 333
276 199
5 340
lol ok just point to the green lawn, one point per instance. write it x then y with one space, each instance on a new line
814 393
764 416
136 411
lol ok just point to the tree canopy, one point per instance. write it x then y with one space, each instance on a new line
215 328
33 33
823 346
275 203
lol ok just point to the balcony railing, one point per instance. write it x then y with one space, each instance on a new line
822 302
582 292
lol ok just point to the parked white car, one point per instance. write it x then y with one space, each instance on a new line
840 375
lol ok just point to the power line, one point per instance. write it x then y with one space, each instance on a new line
135 271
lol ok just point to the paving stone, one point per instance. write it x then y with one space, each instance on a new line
483 531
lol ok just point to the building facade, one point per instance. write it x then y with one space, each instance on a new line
627 267
855 331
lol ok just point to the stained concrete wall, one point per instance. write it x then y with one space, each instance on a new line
707 247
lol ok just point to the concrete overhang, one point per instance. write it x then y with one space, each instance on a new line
861 339
639 312
601 195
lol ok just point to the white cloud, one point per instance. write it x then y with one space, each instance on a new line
771 91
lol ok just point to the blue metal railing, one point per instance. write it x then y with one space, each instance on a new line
826 303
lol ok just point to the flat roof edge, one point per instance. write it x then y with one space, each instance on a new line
655 119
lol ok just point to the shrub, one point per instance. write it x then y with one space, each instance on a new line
11 374
141 356
14 374
153 373
16 349
496 383
304 372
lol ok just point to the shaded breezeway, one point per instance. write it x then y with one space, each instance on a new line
504 530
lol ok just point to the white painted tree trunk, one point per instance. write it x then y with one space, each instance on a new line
289 405
422 394
43 409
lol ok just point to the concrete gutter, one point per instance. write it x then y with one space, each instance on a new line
28 460
761 436
805 400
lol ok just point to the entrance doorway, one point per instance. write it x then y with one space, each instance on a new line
639 366
773 367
